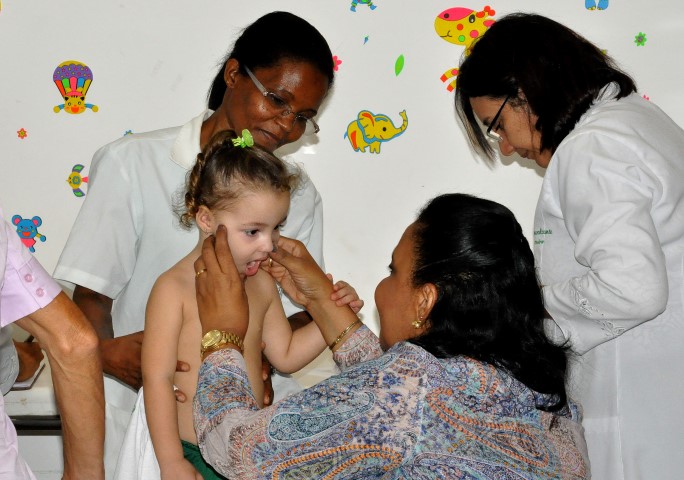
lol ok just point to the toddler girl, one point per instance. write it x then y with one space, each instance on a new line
247 189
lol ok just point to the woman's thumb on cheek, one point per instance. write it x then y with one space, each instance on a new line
279 255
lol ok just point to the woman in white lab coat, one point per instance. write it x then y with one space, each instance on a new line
608 233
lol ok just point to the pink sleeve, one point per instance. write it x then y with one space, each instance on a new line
25 286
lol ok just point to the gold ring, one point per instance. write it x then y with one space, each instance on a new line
270 262
200 272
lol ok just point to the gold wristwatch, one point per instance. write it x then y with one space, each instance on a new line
215 339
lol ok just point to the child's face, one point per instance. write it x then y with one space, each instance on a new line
253 222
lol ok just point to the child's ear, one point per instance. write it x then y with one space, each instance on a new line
205 220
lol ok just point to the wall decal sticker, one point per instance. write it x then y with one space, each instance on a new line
399 65
354 4
461 26
76 180
640 39
369 130
22 133
73 80
28 230
337 62
594 5
448 75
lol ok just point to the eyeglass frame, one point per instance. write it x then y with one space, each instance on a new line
278 99
489 133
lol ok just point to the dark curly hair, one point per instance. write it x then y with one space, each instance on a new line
270 39
544 67
224 171
489 306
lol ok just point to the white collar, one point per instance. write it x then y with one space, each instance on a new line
608 92
187 144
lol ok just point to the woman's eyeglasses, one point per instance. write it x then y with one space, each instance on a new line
493 126
282 108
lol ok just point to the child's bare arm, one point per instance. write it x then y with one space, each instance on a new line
289 351
252 354
163 322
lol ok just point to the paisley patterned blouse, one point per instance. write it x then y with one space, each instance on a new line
401 414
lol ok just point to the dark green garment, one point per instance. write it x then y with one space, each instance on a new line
192 454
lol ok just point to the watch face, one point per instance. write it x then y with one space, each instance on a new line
210 338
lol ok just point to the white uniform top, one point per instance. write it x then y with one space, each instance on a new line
127 234
609 245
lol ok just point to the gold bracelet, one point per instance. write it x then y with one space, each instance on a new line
216 348
344 332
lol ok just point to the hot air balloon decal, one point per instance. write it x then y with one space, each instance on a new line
73 80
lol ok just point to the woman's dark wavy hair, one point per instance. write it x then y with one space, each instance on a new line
270 39
543 66
489 306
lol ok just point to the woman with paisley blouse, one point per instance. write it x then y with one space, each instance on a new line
461 383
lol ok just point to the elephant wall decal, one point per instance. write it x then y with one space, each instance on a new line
369 130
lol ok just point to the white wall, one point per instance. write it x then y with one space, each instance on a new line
153 61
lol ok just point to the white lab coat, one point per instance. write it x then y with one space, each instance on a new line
609 245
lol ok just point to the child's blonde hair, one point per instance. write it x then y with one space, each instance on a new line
223 172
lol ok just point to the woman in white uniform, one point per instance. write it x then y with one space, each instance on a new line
608 233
